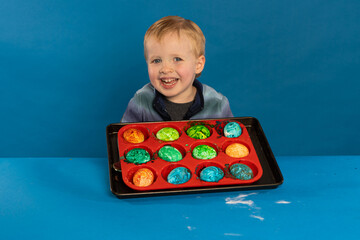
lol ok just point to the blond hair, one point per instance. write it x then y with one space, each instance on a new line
171 24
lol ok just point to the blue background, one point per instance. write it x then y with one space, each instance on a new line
69 68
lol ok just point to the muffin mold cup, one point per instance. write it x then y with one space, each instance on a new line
266 173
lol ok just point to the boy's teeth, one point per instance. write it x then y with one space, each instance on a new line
168 80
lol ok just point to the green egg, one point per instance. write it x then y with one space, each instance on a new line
204 152
167 134
170 154
137 156
198 132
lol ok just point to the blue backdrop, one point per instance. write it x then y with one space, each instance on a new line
69 68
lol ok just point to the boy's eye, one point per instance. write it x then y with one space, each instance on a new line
177 59
156 61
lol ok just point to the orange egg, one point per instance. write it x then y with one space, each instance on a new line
143 177
133 135
237 150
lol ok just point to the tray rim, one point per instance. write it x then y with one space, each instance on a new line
134 193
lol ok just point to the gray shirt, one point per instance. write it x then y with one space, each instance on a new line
140 107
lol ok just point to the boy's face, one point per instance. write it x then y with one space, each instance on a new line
172 66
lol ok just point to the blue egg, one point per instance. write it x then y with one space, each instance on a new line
179 175
232 130
211 174
241 171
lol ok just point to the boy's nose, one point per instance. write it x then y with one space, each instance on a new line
166 68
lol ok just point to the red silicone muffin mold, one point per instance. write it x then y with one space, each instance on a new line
185 145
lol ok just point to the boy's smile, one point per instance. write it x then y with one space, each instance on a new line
172 66
168 83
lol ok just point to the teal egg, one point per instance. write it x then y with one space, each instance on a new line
241 171
137 156
211 174
232 130
179 175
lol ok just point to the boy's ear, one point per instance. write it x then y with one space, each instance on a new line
200 64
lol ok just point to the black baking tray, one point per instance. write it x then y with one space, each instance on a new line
271 178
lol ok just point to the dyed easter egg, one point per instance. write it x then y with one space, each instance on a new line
232 130
170 154
133 135
198 132
237 150
137 156
241 171
167 134
204 152
211 174
179 175
143 177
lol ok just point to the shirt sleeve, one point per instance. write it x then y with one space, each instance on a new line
132 112
225 108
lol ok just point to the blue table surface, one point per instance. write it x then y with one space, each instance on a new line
59 198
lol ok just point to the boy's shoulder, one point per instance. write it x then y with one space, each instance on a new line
216 105
211 93
146 89
147 92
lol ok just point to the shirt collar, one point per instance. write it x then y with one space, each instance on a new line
197 106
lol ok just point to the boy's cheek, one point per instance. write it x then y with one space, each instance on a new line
153 77
151 71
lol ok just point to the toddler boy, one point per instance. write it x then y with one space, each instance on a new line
174 50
